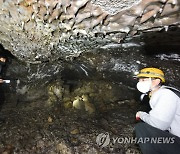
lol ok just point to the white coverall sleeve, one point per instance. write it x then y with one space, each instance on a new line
162 114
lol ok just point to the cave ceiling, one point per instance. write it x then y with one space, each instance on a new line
36 31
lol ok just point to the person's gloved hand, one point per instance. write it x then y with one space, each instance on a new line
138 116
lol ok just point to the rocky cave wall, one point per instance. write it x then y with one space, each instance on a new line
61 41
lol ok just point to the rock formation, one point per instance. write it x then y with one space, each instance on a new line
35 31
51 39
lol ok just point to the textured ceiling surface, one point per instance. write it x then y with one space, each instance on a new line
45 30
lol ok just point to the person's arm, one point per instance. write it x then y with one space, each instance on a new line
163 113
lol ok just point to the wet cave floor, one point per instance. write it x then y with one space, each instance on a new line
31 129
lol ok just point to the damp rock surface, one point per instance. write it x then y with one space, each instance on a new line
35 129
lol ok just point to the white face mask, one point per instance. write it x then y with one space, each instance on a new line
144 86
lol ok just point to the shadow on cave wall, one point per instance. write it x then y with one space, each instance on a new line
162 42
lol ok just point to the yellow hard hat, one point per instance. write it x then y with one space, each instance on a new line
151 73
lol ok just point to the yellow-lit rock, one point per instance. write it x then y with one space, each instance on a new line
78 103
